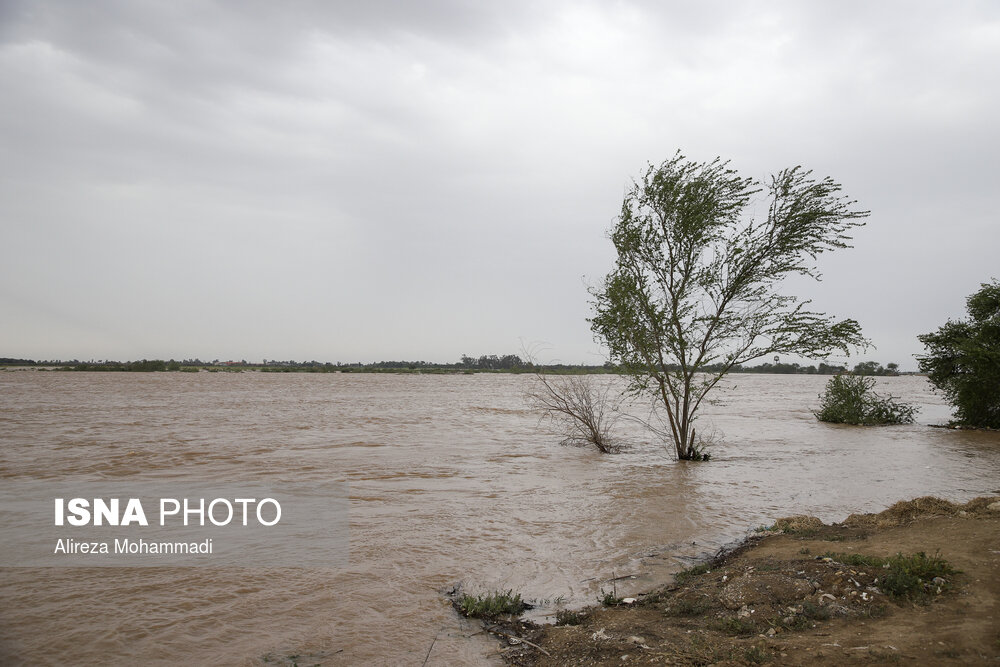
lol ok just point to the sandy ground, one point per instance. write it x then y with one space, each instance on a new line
786 597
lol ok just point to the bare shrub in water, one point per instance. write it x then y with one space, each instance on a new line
586 411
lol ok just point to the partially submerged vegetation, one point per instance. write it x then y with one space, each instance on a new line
491 605
584 410
696 279
963 360
851 399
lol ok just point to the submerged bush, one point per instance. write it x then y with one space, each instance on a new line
491 605
851 399
585 409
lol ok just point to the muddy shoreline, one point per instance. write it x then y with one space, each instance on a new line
804 593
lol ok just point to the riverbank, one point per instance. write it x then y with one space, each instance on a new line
805 593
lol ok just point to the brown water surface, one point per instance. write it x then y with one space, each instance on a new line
451 479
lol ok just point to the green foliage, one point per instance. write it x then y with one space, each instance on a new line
905 576
609 599
875 368
10 361
491 605
851 399
963 359
693 291
493 362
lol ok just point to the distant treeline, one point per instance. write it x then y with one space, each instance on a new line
863 368
508 363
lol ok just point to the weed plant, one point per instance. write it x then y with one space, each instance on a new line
491 605
905 576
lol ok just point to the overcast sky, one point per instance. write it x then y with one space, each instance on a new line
348 181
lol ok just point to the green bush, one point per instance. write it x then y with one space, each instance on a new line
609 599
851 399
905 576
963 359
491 605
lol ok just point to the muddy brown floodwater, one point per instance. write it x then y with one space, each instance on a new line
451 479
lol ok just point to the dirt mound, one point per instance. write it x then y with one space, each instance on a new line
796 524
808 594
905 512
762 589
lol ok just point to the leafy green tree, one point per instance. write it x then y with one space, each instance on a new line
963 359
696 281
869 368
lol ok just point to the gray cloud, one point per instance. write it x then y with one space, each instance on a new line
384 180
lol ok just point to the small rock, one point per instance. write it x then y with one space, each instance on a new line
628 600
600 634
771 632
636 640
939 581
994 506
962 513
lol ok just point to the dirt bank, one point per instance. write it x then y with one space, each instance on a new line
806 593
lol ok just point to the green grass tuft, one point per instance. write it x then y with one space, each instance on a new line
491 605
905 576
609 599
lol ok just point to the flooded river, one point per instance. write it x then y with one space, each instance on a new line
451 479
